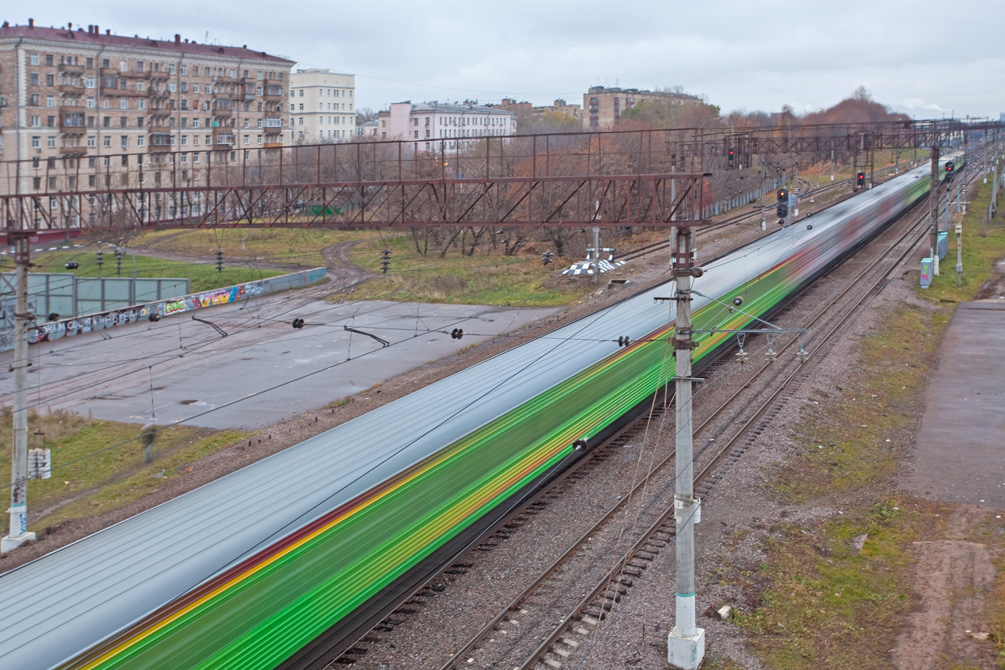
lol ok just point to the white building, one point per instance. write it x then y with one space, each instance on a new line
452 122
322 105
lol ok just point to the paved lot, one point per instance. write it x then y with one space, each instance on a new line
262 371
961 447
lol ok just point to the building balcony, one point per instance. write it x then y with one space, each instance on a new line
72 128
122 93
112 72
223 138
73 151
156 94
273 122
160 140
70 69
72 89
273 145
228 81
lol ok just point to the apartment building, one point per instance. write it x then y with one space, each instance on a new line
322 105
602 106
451 122
525 109
78 105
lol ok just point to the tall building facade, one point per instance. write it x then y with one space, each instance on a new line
602 106
78 104
427 123
322 105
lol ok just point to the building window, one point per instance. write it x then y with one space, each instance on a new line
259 139
171 86
50 80
195 123
50 101
140 141
141 104
90 141
301 93
171 68
90 103
36 142
247 139
48 59
125 141
36 121
52 142
184 70
123 103
33 59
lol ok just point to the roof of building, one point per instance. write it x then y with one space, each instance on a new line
454 108
93 36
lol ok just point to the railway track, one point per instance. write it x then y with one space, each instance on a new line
559 611
705 231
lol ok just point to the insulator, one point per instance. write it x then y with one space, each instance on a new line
741 356
771 355
456 333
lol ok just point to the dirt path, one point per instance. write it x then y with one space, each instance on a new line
953 579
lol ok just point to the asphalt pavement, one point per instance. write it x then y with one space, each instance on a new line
248 367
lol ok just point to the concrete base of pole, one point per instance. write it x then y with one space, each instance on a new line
686 653
9 543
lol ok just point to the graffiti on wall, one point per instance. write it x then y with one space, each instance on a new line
188 303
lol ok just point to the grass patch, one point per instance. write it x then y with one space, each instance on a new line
293 246
99 465
853 439
489 278
983 243
830 605
996 615
201 276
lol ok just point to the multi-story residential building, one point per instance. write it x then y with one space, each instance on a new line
602 106
452 122
536 112
322 105
79 105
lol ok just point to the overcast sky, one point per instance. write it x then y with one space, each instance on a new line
924 58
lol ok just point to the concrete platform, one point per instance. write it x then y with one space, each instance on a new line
961 446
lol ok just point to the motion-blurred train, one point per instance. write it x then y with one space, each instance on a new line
246 572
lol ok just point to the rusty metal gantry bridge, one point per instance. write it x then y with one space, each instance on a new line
617 178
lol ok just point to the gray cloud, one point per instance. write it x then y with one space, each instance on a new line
924 58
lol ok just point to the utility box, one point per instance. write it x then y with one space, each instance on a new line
943 245
927 268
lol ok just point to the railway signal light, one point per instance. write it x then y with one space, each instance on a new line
861 178
783 212
732 158
219 260
385 260
782 195
949 169
456 334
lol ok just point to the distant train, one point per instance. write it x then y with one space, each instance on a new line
244 572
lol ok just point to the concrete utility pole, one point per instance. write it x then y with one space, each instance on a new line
933 210
18 532
764 190
686 642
